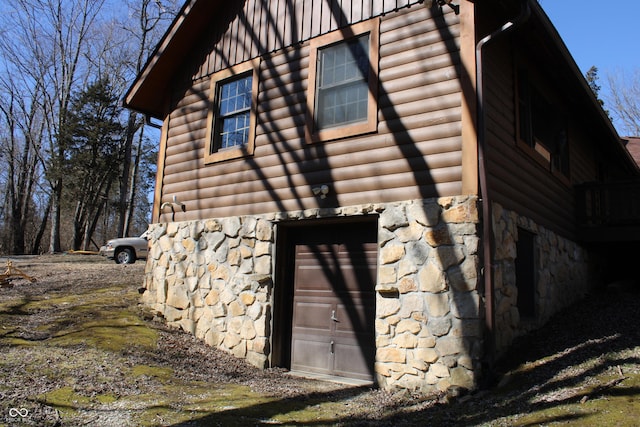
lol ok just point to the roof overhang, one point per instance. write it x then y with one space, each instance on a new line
588 96
149 91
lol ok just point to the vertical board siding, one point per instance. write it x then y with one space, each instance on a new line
416 152
263 26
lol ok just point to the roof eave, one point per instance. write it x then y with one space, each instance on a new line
148 92
570 61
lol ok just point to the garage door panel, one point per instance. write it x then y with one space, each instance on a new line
355 319
350 361
312 315
309 355
334 300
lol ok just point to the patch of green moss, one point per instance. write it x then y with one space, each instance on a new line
595 406
109 336
64 397
163 374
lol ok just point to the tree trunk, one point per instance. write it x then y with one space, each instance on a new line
54 242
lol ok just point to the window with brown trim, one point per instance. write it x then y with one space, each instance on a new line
542 126
231 118
343 82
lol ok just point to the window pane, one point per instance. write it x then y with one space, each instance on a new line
234 105
343 105
342 90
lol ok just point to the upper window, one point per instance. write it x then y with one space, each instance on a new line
343 83
542 126
231 123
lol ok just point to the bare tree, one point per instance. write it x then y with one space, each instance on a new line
152 18
22 119
624 101
49 51
52 37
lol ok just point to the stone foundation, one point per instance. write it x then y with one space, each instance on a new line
213 278
562 275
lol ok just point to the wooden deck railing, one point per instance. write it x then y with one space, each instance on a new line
609 205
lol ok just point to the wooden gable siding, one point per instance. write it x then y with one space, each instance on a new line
416 152
517 181
257 27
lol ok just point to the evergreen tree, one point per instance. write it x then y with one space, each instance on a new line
95 145
592 81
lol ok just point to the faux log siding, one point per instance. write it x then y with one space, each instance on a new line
263 26
416 152
517 181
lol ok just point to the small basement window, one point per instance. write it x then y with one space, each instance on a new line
526 273
231 118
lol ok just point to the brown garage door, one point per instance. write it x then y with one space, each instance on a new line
334 300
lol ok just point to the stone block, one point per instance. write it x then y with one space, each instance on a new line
439 370
448 346
438 236
408 325
254 311
248 331
431 279
236 309
262 248
406 267
386 307
387 275
417 252
411 232
391 355
391 253
407 285
172 314
465 305
427 355
447 256
439 326
214 338
427 214
264 231
382 327
262 265
177 297
462 377
393 218
437 304
212 298
411 303
406 340
247 298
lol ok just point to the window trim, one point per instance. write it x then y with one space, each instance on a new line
312 134
218 78
539 152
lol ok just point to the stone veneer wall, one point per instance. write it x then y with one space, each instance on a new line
213 278
562 276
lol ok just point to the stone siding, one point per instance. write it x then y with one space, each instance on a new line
213 278
562 275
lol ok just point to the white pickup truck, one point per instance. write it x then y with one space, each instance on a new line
126 250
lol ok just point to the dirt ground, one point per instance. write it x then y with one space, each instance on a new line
76 349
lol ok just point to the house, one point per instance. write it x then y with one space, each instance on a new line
385 191
633 146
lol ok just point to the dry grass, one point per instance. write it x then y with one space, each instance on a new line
75 349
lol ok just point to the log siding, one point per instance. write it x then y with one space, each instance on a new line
416 152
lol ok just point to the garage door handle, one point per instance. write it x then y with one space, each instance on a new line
333 316
332 349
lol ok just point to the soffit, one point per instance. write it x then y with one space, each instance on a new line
148 92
